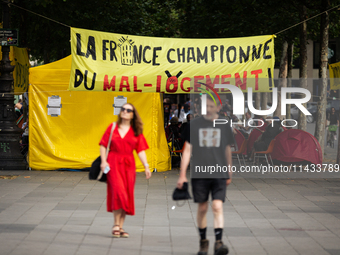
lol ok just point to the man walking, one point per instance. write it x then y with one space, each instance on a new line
211 153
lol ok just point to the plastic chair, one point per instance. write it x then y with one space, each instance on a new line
176 156
178 151
238 139
241 151
265 154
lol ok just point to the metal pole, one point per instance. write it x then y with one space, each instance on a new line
10 155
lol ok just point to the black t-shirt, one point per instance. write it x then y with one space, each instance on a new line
333 118
208 148
271 132
166 109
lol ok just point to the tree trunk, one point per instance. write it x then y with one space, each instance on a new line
321 113
282 77
290 75
303 62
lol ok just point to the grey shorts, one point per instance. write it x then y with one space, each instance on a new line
202 187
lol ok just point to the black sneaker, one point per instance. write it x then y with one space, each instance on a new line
204 247
220 248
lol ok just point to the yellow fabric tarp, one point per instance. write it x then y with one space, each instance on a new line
71 139
104 61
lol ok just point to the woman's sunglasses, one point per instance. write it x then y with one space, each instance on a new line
128 110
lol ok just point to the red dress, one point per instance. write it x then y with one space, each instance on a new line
122 175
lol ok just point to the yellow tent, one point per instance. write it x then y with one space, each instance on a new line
68 136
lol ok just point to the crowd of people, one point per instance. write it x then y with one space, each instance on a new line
178 116
270 127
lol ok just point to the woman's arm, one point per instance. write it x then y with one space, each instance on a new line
142 157
103 158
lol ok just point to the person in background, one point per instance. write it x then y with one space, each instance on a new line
227 107
273 128
258 122
187 105
246 129
24 127
197 108
333 119
172 129
185 124
179 113
18 108
126 137
166 107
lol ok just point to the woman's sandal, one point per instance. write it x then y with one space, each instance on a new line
123 234
116 233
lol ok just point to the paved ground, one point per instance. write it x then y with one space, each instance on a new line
54 212
61 212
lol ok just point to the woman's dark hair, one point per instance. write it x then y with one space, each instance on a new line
136 122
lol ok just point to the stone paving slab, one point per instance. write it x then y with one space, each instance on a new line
61 212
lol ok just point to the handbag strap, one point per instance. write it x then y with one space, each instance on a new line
184 201
107 150
109 143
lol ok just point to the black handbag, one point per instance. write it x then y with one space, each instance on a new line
95 171
181 194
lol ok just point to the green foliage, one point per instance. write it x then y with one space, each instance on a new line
49 41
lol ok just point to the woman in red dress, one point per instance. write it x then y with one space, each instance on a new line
126 137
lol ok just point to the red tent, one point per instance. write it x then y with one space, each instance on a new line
295 145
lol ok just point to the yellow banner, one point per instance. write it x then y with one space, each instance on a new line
19 59
334 75
126 63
